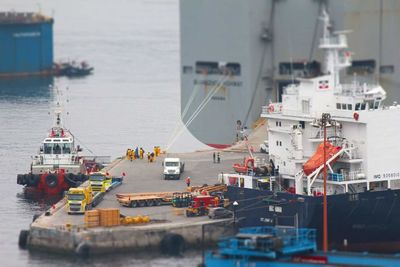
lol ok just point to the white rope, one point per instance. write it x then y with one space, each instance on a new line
180 126
178 123
209 95
193 116
205 101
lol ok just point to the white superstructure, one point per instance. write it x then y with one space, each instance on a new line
58 151
365 130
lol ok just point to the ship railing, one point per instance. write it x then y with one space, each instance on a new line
339 40
354 175
351 151
330 132
346 176
356 88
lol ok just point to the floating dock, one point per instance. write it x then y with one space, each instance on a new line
59 232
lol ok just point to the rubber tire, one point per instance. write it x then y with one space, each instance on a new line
158 202
28 179
150 203
81 177
51 180
20 179
23 179
37 179
35 216
71 179
83 250
142 203
32 179
172 244
23 238
134 204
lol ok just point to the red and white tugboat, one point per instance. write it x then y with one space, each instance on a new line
58 166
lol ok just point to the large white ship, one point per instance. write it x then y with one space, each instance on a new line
236 55
357 132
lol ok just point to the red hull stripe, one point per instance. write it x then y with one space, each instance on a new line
219 146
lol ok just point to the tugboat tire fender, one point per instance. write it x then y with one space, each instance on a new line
71 179
51 180
81 177
23 238
21 179
32 180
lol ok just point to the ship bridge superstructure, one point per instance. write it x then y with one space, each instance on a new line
363 132
58 150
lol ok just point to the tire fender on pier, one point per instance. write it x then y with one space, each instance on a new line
83 249
172 244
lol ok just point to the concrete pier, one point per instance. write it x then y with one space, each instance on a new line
60 232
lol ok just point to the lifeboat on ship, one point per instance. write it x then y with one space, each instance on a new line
248 165
318 158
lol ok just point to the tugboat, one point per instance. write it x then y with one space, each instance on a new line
58 166
72 69
345 127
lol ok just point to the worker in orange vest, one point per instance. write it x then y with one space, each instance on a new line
187 180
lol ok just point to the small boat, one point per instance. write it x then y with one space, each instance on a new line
72 69
59 165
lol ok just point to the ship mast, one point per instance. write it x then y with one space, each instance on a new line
57 113
334 46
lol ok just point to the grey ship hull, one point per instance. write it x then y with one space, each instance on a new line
237 55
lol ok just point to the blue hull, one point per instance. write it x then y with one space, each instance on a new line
331 259
362 218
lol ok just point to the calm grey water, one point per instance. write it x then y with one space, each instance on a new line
132 99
